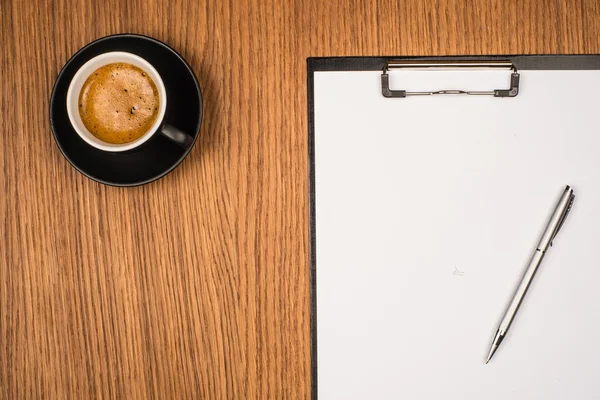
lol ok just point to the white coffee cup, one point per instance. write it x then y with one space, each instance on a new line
159 126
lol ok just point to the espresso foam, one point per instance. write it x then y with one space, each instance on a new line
118 103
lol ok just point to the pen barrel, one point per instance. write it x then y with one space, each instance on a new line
517 299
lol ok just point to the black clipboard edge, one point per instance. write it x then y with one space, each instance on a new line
312 218
314 64
522 62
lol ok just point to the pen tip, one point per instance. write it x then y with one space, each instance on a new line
491 353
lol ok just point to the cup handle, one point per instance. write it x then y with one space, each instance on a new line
177 136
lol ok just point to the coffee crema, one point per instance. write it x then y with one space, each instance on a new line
118 103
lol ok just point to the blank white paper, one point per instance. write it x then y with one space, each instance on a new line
428 210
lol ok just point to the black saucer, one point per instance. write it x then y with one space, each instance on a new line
155 158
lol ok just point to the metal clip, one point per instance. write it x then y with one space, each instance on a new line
511 92
563 218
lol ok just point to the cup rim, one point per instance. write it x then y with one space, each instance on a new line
85 71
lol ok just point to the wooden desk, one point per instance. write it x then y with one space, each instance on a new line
196 286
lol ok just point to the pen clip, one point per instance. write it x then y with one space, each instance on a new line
563 218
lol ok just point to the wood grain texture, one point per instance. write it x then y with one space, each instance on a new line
197 286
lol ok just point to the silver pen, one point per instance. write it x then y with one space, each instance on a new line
558 218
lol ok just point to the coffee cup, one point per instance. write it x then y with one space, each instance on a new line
158 127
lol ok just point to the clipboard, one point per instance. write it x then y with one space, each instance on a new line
431 180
